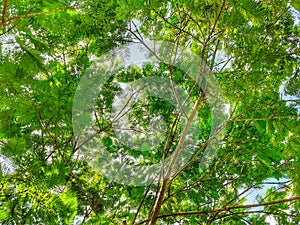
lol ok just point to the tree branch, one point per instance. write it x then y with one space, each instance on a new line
177 27
224 209
269 118
4 11
175 158
32 14
213 28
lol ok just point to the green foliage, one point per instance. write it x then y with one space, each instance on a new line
296 4
251 47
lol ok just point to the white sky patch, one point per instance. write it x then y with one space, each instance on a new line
168 14
287 97
36 132
222 61
9 44
227 109
271 220
7 165
295 14
137 56
254 195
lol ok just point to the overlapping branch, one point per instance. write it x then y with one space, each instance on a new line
223 209
5 20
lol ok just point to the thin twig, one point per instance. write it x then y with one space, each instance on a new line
224 209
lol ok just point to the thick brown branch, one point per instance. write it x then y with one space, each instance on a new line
4 11
175 158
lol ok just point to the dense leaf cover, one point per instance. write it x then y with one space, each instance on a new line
251 47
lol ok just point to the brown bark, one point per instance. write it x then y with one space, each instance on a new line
224 209
4 11
4 20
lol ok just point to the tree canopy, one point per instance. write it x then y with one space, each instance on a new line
218 118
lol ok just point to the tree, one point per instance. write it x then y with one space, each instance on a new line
252 49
